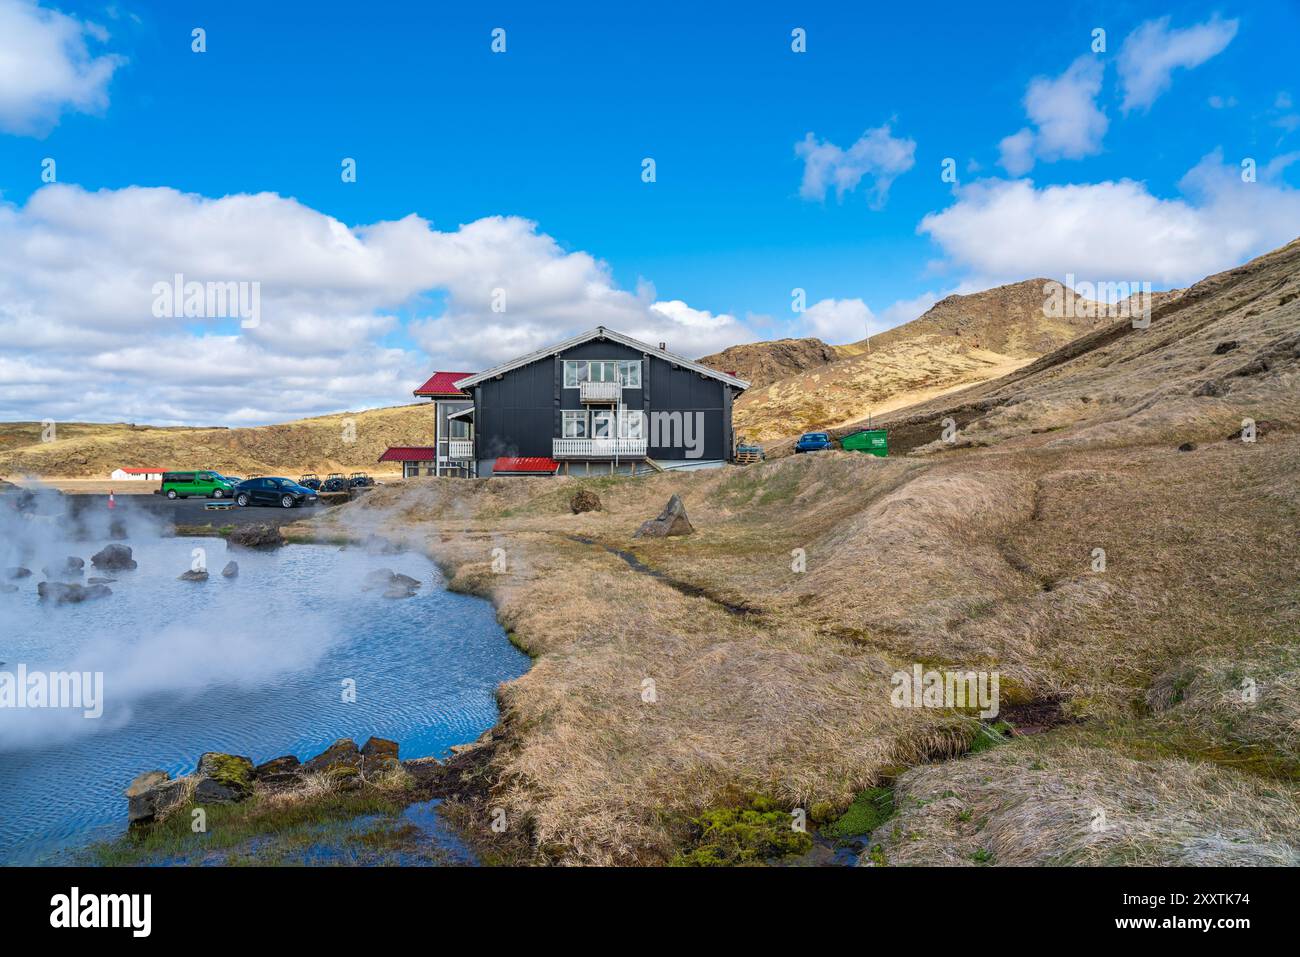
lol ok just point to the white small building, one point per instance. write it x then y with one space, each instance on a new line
142 475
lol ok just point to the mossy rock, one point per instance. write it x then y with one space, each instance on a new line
233 772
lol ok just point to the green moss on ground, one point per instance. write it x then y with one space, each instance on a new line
870 809
749 835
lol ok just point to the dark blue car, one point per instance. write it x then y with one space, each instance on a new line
283 492
814 442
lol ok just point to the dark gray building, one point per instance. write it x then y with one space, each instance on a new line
599 403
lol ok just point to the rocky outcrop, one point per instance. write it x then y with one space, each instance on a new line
393 584
231 570
113 558
254 536
584 500
64 593
279 772
193 575
342 754
671 521
379 756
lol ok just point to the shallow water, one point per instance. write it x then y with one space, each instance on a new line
255 665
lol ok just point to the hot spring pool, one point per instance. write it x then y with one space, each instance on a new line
254 665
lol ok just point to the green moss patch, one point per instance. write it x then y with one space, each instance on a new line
743 836
870 809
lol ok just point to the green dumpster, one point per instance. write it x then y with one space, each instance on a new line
871 441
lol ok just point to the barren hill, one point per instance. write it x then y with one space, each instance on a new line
346 442
959 341
760 363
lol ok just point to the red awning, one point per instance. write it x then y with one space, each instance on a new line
409 453
535 465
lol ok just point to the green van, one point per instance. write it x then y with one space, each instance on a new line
185 484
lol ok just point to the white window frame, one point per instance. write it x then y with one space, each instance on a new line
631 424
625 371
607 418
625 368
571 417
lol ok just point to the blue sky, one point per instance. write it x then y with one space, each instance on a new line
1127 169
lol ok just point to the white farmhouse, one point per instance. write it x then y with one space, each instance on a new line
142 475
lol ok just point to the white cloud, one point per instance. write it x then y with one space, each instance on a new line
1152 52
877 154
838 321
337 306
46 67
1011 230
1222 102
1067 121
905 310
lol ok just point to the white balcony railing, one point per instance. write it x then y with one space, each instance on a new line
599 391
597 448
460 448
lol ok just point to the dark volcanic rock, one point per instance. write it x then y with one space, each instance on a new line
671 521
231 570
1187 447
394 584
255 536
379 755
193 575
70 594
342 754
229 777
150 794
113 558
18 573
1225 347
278 771
584 500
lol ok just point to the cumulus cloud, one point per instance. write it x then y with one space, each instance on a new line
47 69
1151 53
877 155
838 321
1068 124
343 311
1117 230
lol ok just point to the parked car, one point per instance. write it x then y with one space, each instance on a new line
273 490
199 482
814 442
232 479
311 481
360 480
335 482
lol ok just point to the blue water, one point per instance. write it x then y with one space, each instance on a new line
254 665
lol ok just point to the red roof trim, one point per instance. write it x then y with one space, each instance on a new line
527 465
409 453
444 383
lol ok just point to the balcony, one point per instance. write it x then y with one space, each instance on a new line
460 448
598 448
599 391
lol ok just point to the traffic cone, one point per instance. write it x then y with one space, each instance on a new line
111 502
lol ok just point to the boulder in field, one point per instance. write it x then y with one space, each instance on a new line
113 558
255 535
193 575
584 500
231 570
671 521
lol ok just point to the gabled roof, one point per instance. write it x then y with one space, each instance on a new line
442 383
409 453
600 332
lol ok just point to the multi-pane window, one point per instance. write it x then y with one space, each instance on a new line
631 425
574 424
602 424
626 372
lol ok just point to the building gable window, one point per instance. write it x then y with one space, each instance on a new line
626 372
